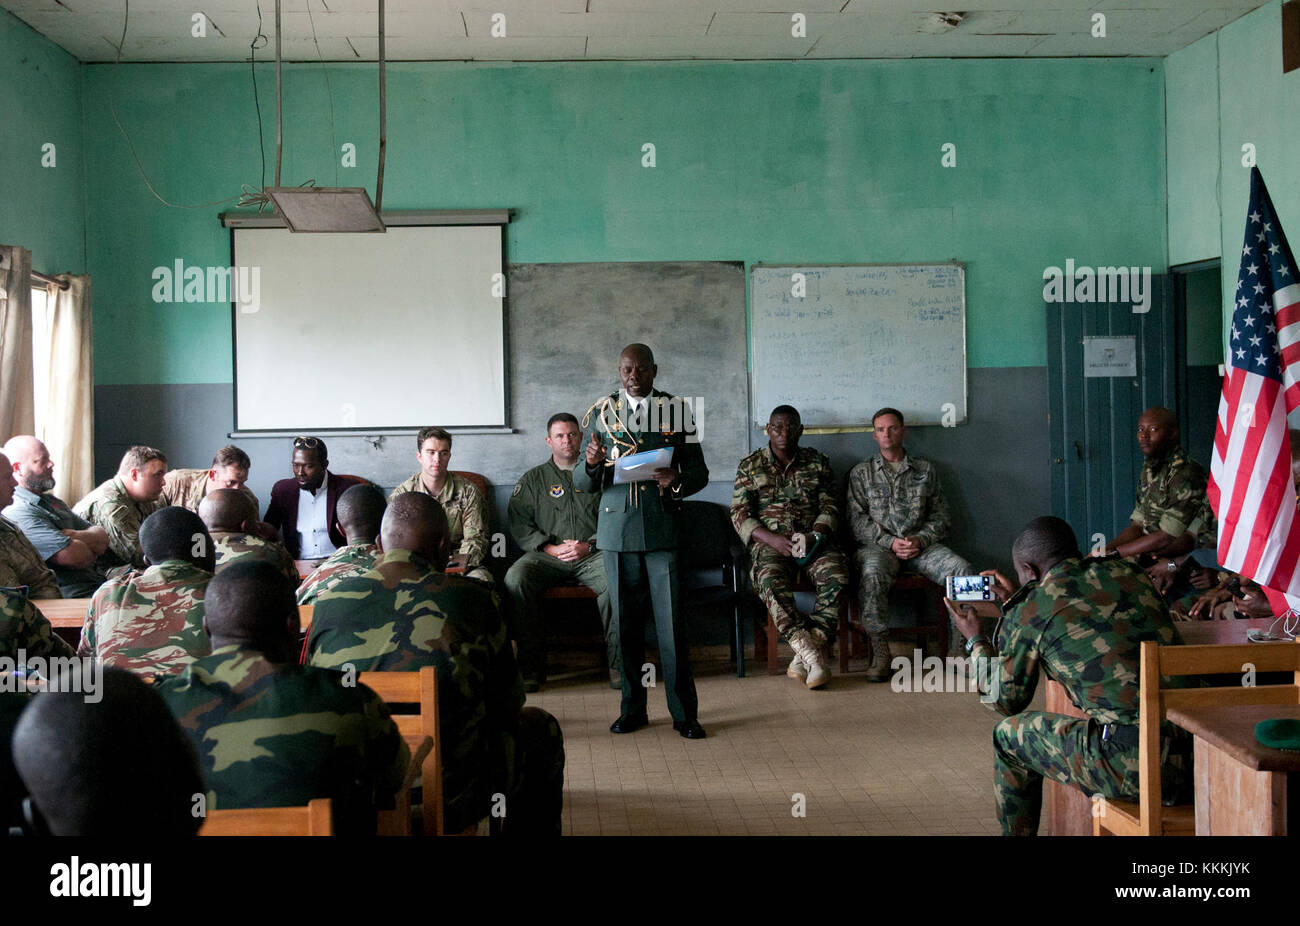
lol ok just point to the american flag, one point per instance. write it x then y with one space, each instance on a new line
1250 477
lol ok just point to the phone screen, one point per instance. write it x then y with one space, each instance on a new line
970 588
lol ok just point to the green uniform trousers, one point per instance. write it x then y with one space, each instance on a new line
633 577
532 574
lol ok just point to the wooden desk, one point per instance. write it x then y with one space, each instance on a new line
63 612
1242 787
1067 811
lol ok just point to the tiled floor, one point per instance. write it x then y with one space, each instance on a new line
857 758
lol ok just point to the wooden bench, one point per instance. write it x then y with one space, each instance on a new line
313 820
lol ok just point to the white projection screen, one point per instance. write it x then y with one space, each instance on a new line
368 331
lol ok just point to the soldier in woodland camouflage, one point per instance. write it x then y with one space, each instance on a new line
360 512
1081 622
898 514
121 504
783 507
230 516
151 622
24 627
406 614
269 732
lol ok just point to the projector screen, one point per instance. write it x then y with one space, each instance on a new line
367 331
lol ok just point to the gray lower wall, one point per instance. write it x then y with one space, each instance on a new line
994 468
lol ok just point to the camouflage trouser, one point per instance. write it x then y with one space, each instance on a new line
879 567
774 575
534 807
532 574
1033 745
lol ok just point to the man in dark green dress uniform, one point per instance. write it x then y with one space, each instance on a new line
637 531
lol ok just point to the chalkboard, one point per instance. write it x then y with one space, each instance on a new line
838 342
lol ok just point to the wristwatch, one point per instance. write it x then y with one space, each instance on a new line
978 638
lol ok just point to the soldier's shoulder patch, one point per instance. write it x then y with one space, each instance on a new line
557 490
517 489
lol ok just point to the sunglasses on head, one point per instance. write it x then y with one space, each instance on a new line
305 443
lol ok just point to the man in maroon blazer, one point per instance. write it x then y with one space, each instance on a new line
302 508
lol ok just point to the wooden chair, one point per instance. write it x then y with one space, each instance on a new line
479 482
312 820
1147 817
397 822
419 688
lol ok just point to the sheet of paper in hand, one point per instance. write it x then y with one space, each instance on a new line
640 467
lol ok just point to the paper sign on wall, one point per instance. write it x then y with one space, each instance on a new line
1110 356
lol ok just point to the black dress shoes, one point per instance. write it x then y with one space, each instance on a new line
689 729
629 724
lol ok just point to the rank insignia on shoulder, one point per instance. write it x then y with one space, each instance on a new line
557 490
518 487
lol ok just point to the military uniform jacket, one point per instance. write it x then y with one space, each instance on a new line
280 735
349 561
24 627
466 514
784 500
403 615
885 506
546 507
1082 625
21 564
187 487
637 516
150 622
43 519
1171 498
111 508
234 547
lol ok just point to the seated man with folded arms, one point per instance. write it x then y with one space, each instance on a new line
302 509
270 732
121 504
360 512
21 566
151 622
74 548
782 492
555 525
460 499
187 487
230 516
406 614
899 514
117 766
1080 622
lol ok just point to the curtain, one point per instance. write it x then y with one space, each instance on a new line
70 410
17 397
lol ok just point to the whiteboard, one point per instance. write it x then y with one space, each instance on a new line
395 330
859 338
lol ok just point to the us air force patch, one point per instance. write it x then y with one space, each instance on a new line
557 490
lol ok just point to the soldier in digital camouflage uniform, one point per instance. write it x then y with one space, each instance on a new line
360 512
898 514
406 614
24 627
151 622
229 470
121 504
20 564
554 523
1081 622
269 732
460 499
229 515
781 491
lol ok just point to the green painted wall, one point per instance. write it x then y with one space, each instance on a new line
1192 128
775 161
41 208
1258 105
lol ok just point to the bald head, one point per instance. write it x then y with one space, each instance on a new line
637 370
251 604
1157 432
30 462
416 522
177 533
120 765
227 510
360 513
1041 545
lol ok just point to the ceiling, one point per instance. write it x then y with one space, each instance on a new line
578 30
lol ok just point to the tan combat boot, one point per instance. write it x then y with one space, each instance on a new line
879 670
797 668
810 655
